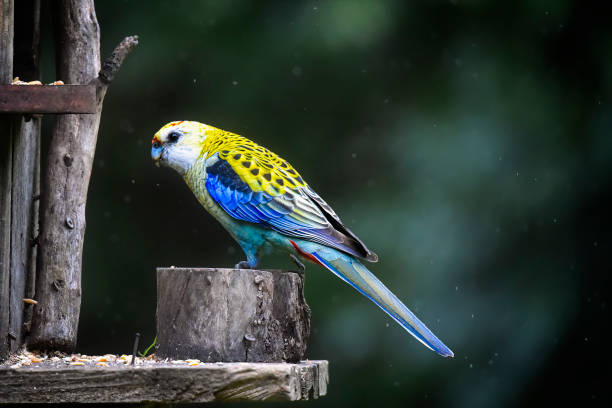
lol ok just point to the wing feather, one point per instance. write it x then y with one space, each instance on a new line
280 200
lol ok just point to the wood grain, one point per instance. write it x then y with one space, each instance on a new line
231 315
23 216
6 154
165 383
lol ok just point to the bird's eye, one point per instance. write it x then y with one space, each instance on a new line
156 145
173 137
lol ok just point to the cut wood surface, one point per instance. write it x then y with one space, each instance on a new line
165 383
231 314
48 99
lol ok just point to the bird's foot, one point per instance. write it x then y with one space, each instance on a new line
299 264
242 265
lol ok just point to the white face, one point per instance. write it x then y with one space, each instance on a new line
177 147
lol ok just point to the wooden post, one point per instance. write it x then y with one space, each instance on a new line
231 315
6 154
66 177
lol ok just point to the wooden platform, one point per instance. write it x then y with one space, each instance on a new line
164 382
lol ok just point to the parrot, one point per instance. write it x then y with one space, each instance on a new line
266 206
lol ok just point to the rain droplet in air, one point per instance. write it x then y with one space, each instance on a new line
297 71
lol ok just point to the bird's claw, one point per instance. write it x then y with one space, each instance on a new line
242 265
299 264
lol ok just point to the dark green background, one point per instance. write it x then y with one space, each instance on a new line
468 143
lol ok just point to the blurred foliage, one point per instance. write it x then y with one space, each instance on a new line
467 142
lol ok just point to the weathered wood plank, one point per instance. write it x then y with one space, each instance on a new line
6 163
6 153
25 152
48 99
166 383
231 315
66 178
26 139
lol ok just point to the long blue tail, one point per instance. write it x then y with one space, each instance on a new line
358 276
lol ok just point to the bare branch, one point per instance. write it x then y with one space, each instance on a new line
113 63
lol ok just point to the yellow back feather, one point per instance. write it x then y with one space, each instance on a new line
257 166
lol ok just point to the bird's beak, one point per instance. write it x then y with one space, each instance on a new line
156 154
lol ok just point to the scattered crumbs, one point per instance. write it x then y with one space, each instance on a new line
55 360
17 81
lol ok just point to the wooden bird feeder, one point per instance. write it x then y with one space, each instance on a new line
248 329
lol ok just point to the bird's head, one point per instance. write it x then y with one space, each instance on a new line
178 145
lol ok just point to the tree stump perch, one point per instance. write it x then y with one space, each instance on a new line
231 315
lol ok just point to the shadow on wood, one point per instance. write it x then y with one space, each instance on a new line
231 315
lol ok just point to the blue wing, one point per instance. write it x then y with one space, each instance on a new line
298 212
